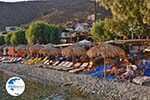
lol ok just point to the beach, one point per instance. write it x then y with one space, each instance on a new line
106 90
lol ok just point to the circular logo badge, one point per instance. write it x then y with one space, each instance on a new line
15 86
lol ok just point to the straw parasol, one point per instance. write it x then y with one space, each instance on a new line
49 51
74 50
105 51
20 48
35 49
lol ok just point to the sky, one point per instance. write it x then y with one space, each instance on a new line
13 0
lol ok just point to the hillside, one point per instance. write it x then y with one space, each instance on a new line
52 11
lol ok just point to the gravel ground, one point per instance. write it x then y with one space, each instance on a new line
109 90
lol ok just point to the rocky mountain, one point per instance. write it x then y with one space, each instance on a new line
51 11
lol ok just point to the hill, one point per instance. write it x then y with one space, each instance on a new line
51 11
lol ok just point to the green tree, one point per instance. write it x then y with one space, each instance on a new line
134 14
118 27
18 37
43 33
7 38
2 41
99 33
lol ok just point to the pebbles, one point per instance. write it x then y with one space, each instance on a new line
109 90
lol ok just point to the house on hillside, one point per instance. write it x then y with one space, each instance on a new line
82 27
12 28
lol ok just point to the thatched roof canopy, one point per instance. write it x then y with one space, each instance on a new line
35 49
49 51
105 51
74 50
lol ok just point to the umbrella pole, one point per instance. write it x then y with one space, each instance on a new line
105 74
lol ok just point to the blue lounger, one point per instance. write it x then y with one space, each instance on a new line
95 70
100 73
109 77
147 72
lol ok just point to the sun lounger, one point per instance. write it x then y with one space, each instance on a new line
141 79
68 66
63 65
100 72
7 60
82 67
46 62
76 65
29 60
45 59
50 62
59 66
14 60
147 72
3 58
94 71
109 77
56 63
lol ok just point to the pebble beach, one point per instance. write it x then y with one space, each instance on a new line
106 90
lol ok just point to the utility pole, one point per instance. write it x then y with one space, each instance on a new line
95 11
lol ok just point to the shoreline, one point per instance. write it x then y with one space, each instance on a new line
110 90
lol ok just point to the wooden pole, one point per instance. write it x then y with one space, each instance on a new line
94 11
105 74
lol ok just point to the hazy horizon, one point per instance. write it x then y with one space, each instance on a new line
12 0
19 0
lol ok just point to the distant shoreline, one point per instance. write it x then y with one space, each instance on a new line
110 90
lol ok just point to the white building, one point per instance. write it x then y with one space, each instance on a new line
12 28
82 27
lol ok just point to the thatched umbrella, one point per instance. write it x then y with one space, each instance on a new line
49 51
105 51
20 48
35 49
74 50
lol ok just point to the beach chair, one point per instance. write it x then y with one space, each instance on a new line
59 66
141 79
33 61
50 62
44 59
46 62
82 67
37 61
97 69
29 60
76 65
63 65
3 58
109 77
100 72
13 60
68 66
54 64
147 72
7 60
